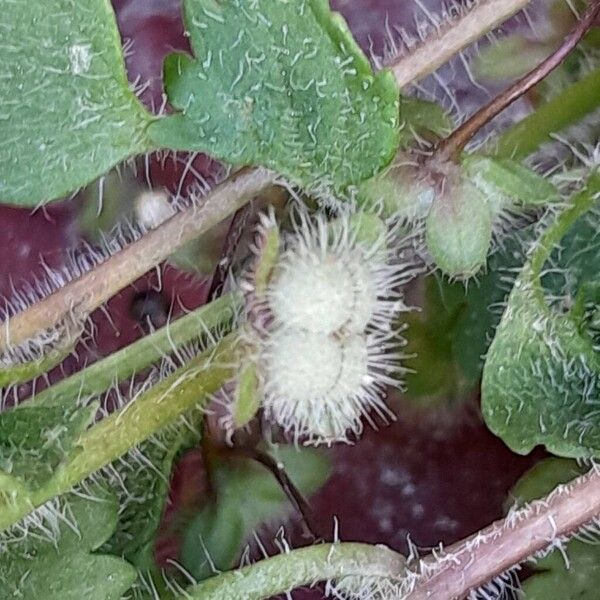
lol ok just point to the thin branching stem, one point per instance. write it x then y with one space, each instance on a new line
453 145
293 494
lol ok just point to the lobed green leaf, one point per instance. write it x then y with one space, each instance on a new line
35 441
280 84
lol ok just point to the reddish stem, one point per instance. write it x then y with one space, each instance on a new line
452 146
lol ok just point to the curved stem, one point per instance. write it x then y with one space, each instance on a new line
453 145
306 566
91 290
444 575
112 437
451 38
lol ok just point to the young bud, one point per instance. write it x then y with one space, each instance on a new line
458 229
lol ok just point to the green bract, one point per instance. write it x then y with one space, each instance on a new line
280 84
67 114
505 182
540 377
459 229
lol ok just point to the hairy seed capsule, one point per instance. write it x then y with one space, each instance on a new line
323 293
315 383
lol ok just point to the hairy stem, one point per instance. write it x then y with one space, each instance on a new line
91 290
186 389
136 357
468 564
284 572
452 38
448 575
453 145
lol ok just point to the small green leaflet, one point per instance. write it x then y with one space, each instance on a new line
540 379
552 578
282 84
65 566
35 440
506 182
247 397
247 496
67 114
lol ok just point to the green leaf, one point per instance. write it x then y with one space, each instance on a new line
484 301
552 577
542 478
497 61
505 182
34 441
67 114
283 85
433 375
423 118
247 495
540 377
143 486
64 566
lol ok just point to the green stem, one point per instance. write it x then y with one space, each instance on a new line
136 357
579 205
569 107
285 572
22 372
187 388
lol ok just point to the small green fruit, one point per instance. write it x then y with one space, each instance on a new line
459 229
